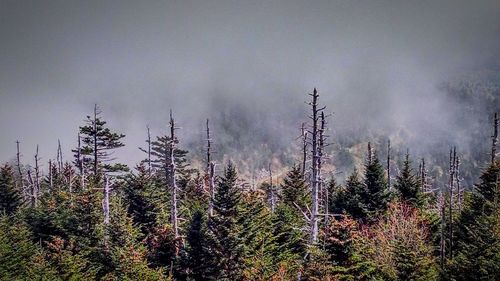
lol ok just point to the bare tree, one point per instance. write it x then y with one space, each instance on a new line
210 172
494 138
389 164
304 148
19 170
315 179
172 179
272 195
59 157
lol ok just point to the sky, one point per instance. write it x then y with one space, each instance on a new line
375 64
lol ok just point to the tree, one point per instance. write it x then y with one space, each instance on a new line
294 189
398 245
143 198
477 240
196 258
375 195
99 142
348 199
224 229
10 198
408 186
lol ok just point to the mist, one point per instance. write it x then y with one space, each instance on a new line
379 66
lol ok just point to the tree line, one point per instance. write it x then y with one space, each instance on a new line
95 219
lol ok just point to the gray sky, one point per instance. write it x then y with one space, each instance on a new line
376 62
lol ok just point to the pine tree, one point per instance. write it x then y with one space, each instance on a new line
375 196
477 240
143 198
196 258
99 142
224 230
349 199
407 185
10 198
294 189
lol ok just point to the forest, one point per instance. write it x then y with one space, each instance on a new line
175 216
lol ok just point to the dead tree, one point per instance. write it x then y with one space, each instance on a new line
315 179
79 162
272 196
51 181
389 164
453 157
457 183
149 151
36 181
304 148
494 138
19 170
59 157
171 174
210 172
105 201
423 176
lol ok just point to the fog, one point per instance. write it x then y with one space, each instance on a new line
378 65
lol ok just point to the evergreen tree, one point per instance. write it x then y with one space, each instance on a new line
477 240
196 257
349 199
375 195
99 142
294 189
224 229
10 198
143 198
407 185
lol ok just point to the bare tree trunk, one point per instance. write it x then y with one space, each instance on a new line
304 149
59 157
96 179
172 180
51 185
423 176
19 170
105 202
149 151
272 198
210 172
457 182
315 171
80 161
36 188
389 164
494 138
453 155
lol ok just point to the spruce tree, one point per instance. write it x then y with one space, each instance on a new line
196 258
477 240
224 230
294 189
349 199
99 142
143 198
407 185
10 198
375 195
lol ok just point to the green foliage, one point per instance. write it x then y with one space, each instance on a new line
294 189
375 195
224 231
349 199
10 197
408 187
478 231
143 197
